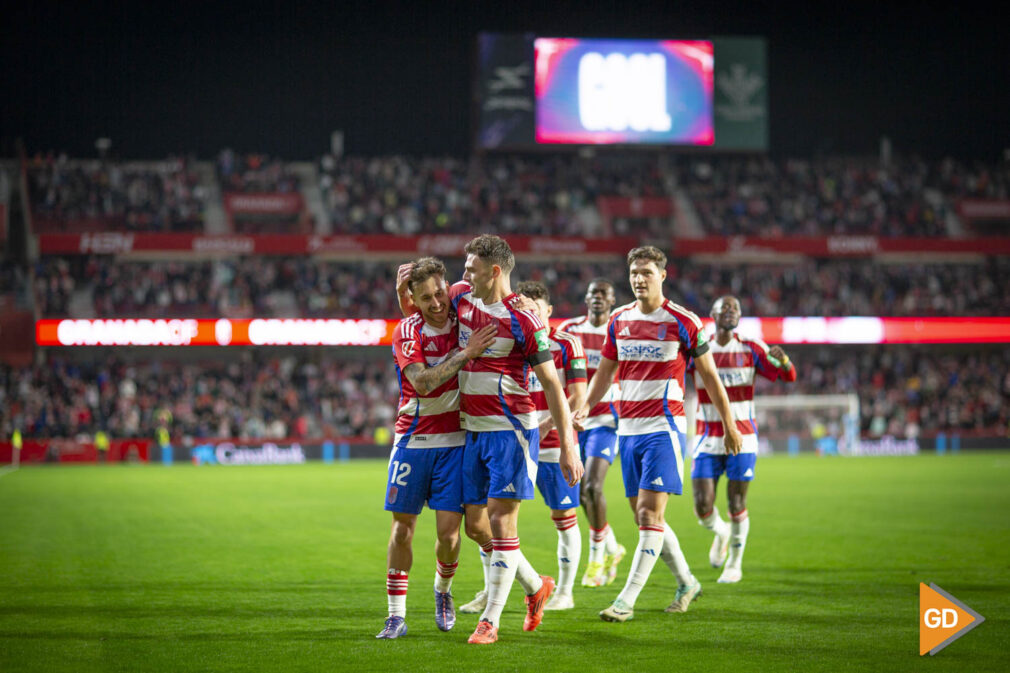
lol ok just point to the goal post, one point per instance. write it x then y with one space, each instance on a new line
828 424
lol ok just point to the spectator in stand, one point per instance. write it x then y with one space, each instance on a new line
254 173
903 390
149 196
912 390
304 287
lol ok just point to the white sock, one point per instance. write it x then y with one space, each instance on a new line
569 551
485 562
396 592
527 577
504 563
444 573
611 540
650 545
715 523
739 527
673 557
597 543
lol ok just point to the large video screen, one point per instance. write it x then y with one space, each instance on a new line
593 91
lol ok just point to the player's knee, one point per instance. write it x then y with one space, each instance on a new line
647 517
594 490
476 531
402 533
448 537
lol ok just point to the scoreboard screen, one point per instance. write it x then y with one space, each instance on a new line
616 91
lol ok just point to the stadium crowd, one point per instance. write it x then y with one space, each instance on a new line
537 195
307 287
152 196
254 173
905 392
910 390
257 397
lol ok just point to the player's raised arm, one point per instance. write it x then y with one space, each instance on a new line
784 368
427 379
705 365
571 464
407 306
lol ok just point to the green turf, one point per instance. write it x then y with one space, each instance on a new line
185 568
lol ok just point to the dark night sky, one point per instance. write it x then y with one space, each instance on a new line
278 77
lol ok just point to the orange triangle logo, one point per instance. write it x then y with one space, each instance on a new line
942 619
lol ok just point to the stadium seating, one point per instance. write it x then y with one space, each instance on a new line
309 287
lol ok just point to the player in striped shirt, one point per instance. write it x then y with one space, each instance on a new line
502 439
648 344
560 497
738 361
598 441
426 461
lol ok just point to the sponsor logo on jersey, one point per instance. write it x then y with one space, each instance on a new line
642 352
579 363
593 360
661 332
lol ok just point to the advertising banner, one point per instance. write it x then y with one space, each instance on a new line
281 203
337 332
741 94
505 90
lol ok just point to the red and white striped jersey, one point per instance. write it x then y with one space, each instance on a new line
494 388
426 421
570 361
603 414
651 351
737 363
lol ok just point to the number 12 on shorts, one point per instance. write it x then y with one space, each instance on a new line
399 473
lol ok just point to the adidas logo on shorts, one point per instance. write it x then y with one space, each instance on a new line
749 473
658 481
509 489
566 501
605 452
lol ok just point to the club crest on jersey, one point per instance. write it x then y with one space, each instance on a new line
407 347
661 333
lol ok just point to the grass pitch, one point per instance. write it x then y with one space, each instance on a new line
147 568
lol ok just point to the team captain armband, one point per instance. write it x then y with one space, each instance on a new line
701 347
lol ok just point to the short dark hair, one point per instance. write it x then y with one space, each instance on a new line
423 269
600 281
534 289
493 249
648 253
